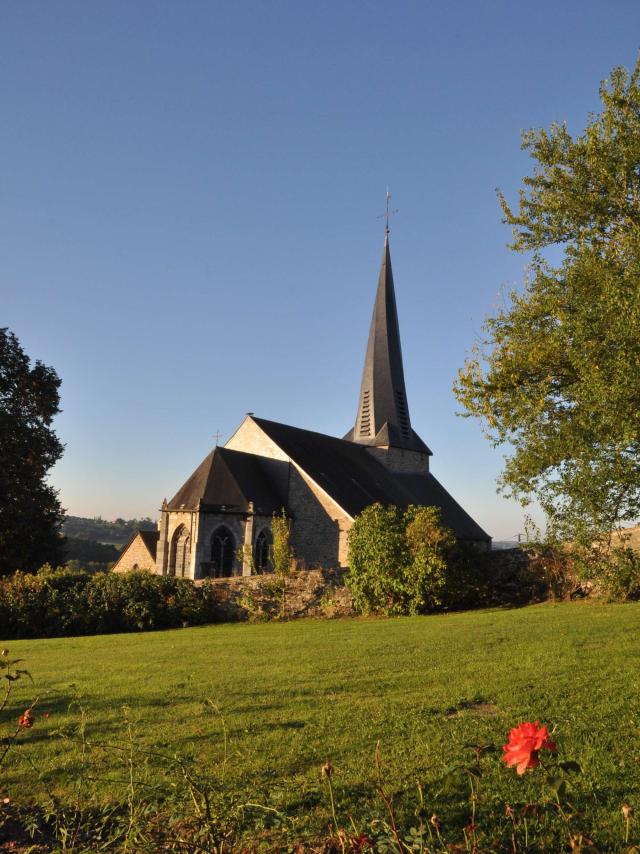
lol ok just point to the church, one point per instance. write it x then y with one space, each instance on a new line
218 524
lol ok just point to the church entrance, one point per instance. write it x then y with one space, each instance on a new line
180 553
223 550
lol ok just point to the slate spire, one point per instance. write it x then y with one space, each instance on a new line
383 413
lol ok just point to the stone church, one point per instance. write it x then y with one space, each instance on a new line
219 522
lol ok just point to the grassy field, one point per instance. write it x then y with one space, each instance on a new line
289 696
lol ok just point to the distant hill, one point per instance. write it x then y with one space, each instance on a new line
83 551
99 530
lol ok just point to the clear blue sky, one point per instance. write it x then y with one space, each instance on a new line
188 203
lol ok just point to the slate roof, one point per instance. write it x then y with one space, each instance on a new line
355 479
383 411
150 539
230 479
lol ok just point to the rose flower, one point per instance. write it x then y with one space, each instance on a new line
524 743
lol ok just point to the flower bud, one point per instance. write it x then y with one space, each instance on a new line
627 811
26 719
327 769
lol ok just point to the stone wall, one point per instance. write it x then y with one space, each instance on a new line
400 460
513 578
501 577
308 593
320 526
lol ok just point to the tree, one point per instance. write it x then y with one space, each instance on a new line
398 561
557 374
281 554
30 513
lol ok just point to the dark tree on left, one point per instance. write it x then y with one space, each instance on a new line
30 512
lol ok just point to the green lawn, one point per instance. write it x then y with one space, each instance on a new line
293 695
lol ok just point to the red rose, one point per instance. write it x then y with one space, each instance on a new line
524 743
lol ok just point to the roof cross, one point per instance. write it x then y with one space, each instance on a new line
388 213
217 436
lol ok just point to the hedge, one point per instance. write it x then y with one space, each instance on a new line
60 602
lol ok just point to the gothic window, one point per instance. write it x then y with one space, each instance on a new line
180 554
223 547
262 551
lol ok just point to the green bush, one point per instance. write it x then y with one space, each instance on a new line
620 574
398 561
60 602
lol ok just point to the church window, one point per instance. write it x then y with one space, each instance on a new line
180 553
262 551
223 547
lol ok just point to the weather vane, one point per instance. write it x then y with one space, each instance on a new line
388 213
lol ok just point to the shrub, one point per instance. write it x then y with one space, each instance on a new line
398 561
59 602
281 555
620 574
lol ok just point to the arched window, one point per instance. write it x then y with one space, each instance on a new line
223 548
262 551
180 553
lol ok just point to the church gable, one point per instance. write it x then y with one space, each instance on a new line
251 438
139 553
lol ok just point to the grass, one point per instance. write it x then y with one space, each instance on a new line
289 696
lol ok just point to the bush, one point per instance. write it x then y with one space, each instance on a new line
398 561
59 602
620 574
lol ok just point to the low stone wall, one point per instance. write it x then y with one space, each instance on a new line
500 577
512 578
308 593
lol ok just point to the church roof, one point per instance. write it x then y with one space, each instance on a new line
229 479
354 478
383 412
150 539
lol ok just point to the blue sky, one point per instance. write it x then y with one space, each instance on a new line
189 195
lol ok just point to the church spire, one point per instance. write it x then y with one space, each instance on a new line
383 413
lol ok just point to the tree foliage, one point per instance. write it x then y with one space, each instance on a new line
397 561
557 374
30 513
281 554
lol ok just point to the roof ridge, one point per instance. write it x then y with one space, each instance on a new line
301 429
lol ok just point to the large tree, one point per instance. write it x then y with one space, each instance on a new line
557 373
30 513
